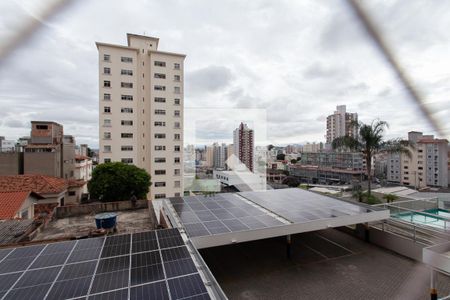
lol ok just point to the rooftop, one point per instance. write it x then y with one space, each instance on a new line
40 184
128 221
10 203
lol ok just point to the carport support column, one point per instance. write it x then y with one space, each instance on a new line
433 291
288 246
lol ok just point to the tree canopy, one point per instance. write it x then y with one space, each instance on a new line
370 141
281 156
117 181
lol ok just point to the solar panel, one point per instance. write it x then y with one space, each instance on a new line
300 206
220 214
148 265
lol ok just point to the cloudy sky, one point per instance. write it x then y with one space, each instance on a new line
295 59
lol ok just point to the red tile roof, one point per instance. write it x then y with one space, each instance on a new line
81 157
10 203
76 182
40 184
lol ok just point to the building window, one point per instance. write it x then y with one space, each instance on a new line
106 83
107 109
160 63
160 159
176 66
176 77
127 122
107 71
177 184
160 184
176 160
127 160
126 148
126 72
160 136
126 97
177 148
177 125
160 75
160 112
107 135
176 101
160 148
160 172
176 172
126 59
176 136
107 160
107 123
160 88
107 97
126 135
126 85
107 148
126 110
162 124
177 90
160 99
160 196
176 113
42 127
106 57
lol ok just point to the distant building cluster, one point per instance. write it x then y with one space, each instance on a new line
47 154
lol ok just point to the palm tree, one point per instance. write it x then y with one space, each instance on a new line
369 141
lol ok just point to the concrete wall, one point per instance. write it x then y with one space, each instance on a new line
11 163
44 163
396 243
76 210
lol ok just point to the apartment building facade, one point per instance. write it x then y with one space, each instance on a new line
141 110
426 167
244 145
330 167
340 123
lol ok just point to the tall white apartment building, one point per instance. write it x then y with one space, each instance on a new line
141 110
427 166
340 124
244 145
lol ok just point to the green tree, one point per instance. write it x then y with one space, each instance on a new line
117 181
390 198
370 141
281 156
270 147
291 181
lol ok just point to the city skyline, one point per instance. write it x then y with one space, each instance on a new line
336 66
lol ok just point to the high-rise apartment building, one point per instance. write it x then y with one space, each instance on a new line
340 123
219 155
244 145
141 110
427 166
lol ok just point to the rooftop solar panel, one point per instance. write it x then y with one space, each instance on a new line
220 214
103 268
299 206
229 218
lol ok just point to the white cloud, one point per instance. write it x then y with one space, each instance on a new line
296 59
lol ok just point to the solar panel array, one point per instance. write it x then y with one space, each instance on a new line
219 214
146 265
299 206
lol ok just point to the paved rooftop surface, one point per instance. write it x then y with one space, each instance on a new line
128 221
326 264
